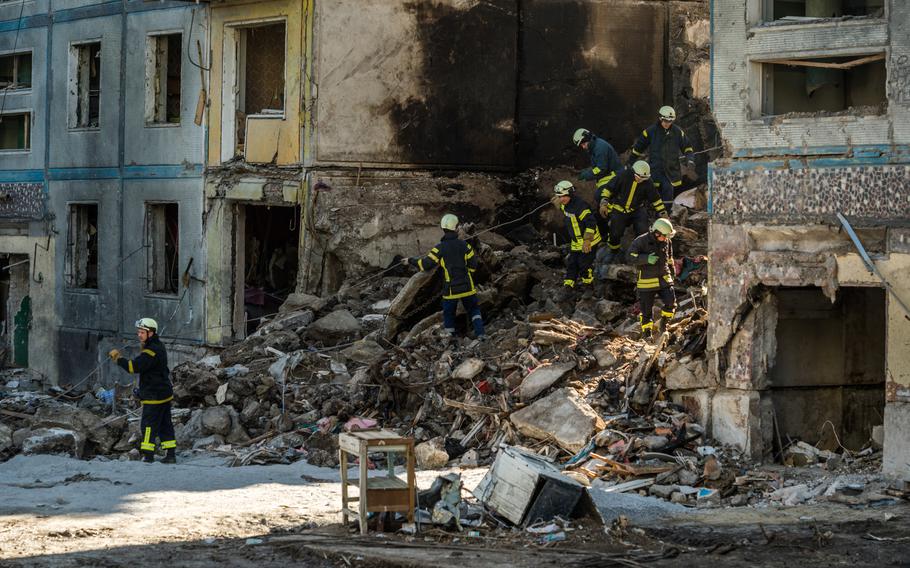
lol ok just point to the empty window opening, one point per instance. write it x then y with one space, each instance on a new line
16 71
163 246
16 131
85 85
829 370
163 67
267 252
807 10
260 75
82 246
854 84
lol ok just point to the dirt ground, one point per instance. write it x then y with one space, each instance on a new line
57 511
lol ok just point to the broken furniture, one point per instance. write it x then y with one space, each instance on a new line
379 494
525 488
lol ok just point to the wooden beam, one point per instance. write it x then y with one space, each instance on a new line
825 65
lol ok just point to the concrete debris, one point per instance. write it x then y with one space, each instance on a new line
563 416
468 369
431 454
542 378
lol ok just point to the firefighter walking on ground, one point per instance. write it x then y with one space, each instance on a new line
625 200
605 164
155 391
652 253
458 262
584 236
665 143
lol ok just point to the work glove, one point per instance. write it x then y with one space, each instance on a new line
555 201
586 246
604 208
114 354
406 261
652 259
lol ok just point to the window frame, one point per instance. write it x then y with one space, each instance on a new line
74 93
29 131
69 256
151 70
15 53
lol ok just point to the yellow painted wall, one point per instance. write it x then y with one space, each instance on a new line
42 338
896 269
287 133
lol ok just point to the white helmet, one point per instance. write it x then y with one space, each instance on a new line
563 188
449 222
581 135
667 113
642 169
148 324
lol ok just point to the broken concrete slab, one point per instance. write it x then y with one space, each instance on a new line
562 416
687 376
69 417
296 301
604 357
431 454
638 509
608 310
340 323
542 378
365 351
53 441
468 369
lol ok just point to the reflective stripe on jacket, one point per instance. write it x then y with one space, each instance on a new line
664 147
659 274
458 262
151 366
580 222
626 195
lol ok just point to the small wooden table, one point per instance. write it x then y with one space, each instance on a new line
381 494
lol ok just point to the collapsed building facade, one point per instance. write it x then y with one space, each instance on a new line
805 341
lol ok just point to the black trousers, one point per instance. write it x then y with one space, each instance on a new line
156 423
619 222
579 266
646 302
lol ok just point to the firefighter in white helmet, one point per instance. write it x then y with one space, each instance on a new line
665 143
155 391
652 254
583 234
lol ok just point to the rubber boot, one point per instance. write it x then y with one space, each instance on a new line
170 456
148 457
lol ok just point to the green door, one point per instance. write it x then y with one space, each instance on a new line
23 320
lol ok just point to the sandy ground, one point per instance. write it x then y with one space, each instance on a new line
58 511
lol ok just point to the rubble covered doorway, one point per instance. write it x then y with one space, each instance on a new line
266 251
829 371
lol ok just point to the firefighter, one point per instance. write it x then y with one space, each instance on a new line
458 262
652 253
605 164
625 199
155 391
665 143
584 237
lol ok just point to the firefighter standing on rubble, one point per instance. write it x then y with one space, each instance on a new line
652 253
625 199
605 164
665 143
584 236
155 391
458 262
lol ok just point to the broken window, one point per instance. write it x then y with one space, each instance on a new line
807 10
16 71
854 83
85 85
162 78
82 246
842 391
163 241
260 74
15 131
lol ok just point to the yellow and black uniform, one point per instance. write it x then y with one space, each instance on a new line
155 393
654 259
458 262
581 227
664 148
626 200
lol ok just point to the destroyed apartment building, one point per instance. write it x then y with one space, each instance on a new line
809 334
261 165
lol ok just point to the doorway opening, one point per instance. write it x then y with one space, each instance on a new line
829 372
266 245
15 310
